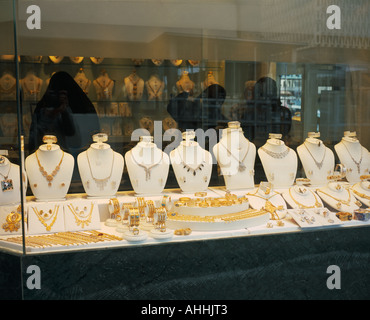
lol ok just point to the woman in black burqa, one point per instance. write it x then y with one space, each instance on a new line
65 112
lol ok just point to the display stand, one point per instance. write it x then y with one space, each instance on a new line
317 159
354 156
134 86
10 181
8 87
100 168
236 157
192 164
361 190
49 171
336 195
265 197
83 82
185 84
31 85
300 196
147 167
154 87
103 86
279 162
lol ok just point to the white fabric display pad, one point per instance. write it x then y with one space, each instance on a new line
49 160
101 170
13 195
343 194
280 165
361 191
236 157
313 218
45 217
80 215
317 160
192 166
355 158
303 196
257 200
6 227
147 168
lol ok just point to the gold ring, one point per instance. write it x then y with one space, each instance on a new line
135 231
200 194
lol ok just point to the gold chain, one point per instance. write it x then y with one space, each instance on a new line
78 215
302 206
345 202
49 177
43 220
361 195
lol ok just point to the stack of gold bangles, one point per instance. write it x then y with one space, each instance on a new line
161 214
141 204
116 209
151 211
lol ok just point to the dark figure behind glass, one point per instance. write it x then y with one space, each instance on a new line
66 112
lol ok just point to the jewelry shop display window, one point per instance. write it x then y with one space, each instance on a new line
141 122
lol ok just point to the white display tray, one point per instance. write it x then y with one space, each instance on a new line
212 211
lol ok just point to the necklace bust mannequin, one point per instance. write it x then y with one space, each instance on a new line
154 87
209 80
236 157
355 157
185 84
83 81
7 87
100 168
279 162
134 86
192 164
317 160
147 167
104 86
10 181
31 85
49 171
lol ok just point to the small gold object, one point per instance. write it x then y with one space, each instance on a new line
269 225
280 223
344 216
13 220
200 194
182 232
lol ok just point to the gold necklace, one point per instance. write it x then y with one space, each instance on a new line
361 195
44 217
81 217
340 201
302 206
49 177
7 184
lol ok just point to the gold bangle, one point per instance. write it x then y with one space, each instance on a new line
365 177
116 207
165 200
135 231
204 204
184 199
141 205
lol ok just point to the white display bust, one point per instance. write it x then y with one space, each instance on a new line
301 197
191 164
317 159
361 190
10 192
354 156
259 197
236 156
134 86
338 197
100 168
147 167
49 171
279 162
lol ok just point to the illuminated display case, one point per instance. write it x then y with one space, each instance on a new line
136 124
